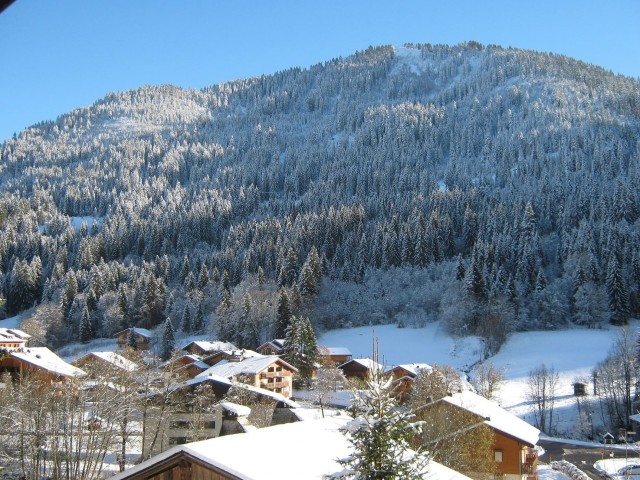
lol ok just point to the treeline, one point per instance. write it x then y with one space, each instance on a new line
521 168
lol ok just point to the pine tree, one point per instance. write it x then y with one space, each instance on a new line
380 434
460 271
86 329
186 319
132 339
618 294
283 314
198 320
168 340
203 277
300 346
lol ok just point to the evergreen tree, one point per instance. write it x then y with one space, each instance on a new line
132 339
618 294
86 329
380 434
168 340
460 271
203 277
300 346
186 319
198 320
283 314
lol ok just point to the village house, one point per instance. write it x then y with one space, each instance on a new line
514 439
333 355
204 348
237 355
144 338
12 339
403 377
186 366
268 372
39 362
312 448
195 410
96 360
274 347
362 368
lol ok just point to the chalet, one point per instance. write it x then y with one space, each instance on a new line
192 410
204 348
268 372
362 368
334 355
274 347
312 448
13 339
231 355
514 439
40 362
187 366
144 338
105 360
404 375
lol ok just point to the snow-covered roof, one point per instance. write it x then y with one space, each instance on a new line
13 336
275 344
312 447
248 366
140 331
413 368
496 416
635 418
239 410
113 359
365 362
215 346
45 359
334 351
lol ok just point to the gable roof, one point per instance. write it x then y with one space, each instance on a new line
364 362
274 344
14 332
213 346
45 359
248 366
111 358
334 351
140 331
314 458
413 368
495 416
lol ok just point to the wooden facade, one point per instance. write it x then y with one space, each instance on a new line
359 368
144 339
274 347
182 466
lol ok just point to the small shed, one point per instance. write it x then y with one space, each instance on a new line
580 389
607 438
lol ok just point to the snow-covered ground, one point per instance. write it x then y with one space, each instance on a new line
572 353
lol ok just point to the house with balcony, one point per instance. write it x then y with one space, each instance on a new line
269 372
13 339
514 440
39 362
274 347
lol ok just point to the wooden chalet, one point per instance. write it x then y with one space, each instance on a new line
187 366
144 338
204 348
274 347
333 355
112 360
514 443
231 355
268 372
403 377
39 362
282 452
13 339
361 368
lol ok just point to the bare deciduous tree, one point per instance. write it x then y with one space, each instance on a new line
542 384
486 379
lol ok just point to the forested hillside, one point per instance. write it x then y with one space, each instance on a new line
496 189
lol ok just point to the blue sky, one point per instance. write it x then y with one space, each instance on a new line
62 54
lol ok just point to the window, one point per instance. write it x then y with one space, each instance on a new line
177 440
497 456
180 424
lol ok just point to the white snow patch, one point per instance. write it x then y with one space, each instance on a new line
410 57
442 186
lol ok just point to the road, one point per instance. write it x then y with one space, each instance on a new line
582 456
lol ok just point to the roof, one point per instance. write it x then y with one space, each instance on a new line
334 351
45 359
365 362
273 344
239 410
496 416
635 418
140 331
113 359
248 366
313 456
215 346
413 368
8 335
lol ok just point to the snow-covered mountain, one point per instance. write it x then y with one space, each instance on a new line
495 189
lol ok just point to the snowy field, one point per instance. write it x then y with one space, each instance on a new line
572 353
